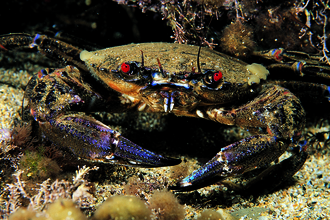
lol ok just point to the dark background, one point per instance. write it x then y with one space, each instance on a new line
115 24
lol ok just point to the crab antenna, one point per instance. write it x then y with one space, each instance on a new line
161 68
142 59
199 52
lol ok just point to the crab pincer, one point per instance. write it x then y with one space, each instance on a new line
235 159
92 140
84 136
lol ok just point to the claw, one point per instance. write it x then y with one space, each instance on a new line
93 141
212 172
232 160
205 176
86 137
130 154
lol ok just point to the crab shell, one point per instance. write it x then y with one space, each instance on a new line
169 71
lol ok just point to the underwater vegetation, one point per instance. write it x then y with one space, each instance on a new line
237 39
35 165
252 23
167 205
64 199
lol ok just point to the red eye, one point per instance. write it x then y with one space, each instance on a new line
217 76
125 67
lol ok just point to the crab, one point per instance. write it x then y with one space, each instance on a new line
165 78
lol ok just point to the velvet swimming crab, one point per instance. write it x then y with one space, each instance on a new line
163 78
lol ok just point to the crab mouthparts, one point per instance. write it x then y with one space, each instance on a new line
169 90
168 100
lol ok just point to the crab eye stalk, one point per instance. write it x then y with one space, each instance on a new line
212 79
217 76
130 71
126 68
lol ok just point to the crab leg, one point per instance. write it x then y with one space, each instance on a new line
296 61
48 46
317 93
276 115
278 173
53 94
15 41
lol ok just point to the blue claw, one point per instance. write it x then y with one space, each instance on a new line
93 141
204 176
130 154
232 160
